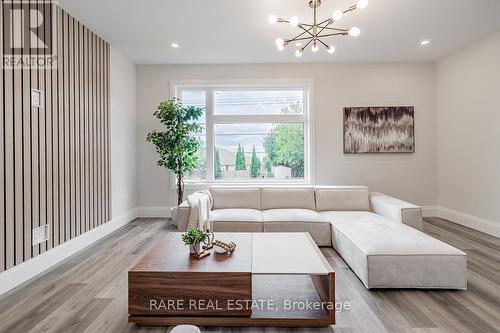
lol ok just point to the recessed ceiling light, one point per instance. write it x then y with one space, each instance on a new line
174 45
298 44
425 42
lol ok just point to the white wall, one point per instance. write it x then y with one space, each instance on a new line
408 176
123 134
468 122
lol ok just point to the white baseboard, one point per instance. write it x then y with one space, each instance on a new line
29 269
153 211
430 211
467 220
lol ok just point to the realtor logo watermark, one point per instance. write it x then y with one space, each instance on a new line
29 34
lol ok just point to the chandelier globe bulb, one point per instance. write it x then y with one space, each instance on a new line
272 19
337 15
354 32
294 21
362 4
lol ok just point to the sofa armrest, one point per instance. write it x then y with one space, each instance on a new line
183 212
396 210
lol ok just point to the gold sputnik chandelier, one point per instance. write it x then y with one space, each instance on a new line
316 32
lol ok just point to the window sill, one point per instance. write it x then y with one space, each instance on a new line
189 185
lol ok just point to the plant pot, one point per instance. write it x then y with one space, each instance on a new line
174 213
195 248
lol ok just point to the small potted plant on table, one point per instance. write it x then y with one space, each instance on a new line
195 238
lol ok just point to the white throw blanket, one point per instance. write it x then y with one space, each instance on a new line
195 200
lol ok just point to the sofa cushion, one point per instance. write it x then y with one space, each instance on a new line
236 215
236 220
291 215
241 197
389 254
275 198
298 220
342 198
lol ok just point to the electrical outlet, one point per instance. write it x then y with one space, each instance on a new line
40 234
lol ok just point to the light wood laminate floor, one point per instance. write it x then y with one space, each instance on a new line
88 291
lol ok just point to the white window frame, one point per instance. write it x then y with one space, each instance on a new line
307 85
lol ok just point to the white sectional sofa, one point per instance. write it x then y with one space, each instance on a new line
375 234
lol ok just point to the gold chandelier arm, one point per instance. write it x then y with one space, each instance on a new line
307 44
336 29
330 21
344 33
323 43
334 34
308 31
301 34
295 38
312 25
299 39
350 9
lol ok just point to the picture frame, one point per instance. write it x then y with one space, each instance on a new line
379 130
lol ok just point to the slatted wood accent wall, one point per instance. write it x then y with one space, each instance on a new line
54 161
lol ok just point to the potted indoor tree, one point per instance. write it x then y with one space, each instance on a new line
177 143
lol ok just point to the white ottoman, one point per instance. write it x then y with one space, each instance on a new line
185 329
388 254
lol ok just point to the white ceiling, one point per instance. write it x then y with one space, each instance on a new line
237 31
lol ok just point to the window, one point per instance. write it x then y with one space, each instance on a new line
255 133
198 98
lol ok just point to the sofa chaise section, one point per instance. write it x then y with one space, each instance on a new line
387 254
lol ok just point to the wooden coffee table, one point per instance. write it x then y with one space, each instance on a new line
272 279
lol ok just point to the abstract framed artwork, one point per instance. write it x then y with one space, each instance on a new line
371 130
